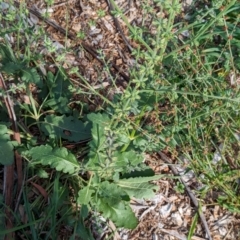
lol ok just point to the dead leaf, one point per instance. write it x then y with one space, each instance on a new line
41 190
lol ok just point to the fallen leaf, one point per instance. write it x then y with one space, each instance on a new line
41 190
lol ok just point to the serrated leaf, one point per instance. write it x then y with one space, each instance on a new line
99 118
11 67
121 214
128 158
69 128
97 145
98 137
111 161
42 173
60 86
123 138
6 153
59 158
103 153
112 201
36 153
59 105
140 142
8 58
84 195
112 193
6 51
139 187
30 75
147 100
6 146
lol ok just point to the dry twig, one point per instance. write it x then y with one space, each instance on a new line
87 47
190 193
118 27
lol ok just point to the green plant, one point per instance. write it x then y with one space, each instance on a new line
6 145
88 163
81 35
180 188
101 13
92 23
189 106
117 171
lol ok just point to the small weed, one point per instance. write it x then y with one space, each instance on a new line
179 187
81 35
101 13
49 2
92 23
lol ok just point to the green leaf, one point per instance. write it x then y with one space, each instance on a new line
6 54
145 172
3 132
60 85
124 138
98 118
112 193
139 187
69 128
97 153
30 75
6 153
83 212
128 158
59 195
84 195
59 158
111 201
42 173
103 155
121 214
83 232
193 226
6 146
11 67
98 137
59 104
9 63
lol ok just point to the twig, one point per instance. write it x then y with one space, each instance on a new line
229 231
173 233
114 229
191 195
56 5
118 27
87 47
